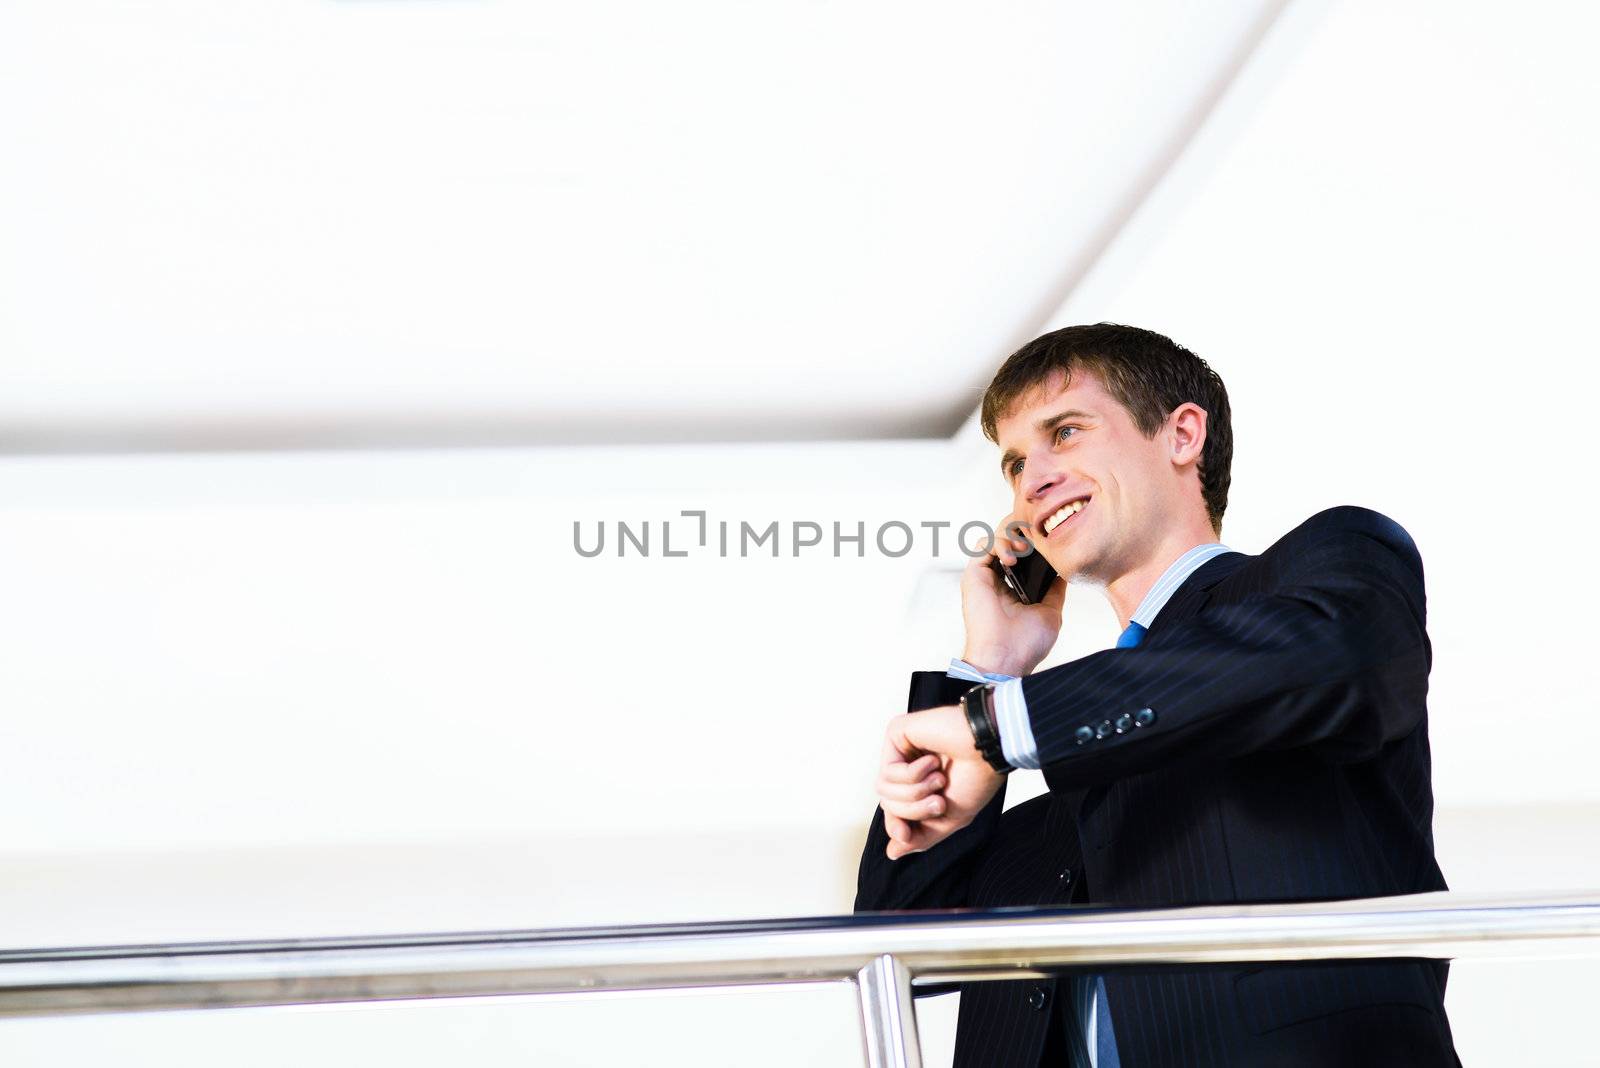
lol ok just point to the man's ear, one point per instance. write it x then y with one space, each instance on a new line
1186 429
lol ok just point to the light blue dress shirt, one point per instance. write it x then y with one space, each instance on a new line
1017 743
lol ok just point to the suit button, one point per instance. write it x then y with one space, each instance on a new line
1037 998
1144 717
1104 730
1066 875
1124 723
1083 735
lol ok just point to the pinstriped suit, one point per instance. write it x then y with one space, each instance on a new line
1284 758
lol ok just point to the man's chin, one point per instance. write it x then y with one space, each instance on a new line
1082 565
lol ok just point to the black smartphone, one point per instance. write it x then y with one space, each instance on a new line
1030 580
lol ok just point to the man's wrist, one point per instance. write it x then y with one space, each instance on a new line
997 662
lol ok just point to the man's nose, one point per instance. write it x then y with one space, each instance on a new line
1040 482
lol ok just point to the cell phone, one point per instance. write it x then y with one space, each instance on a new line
1030 580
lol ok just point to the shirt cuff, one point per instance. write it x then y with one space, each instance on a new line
1016 733
1010 710
960 669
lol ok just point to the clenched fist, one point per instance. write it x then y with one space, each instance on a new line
933 781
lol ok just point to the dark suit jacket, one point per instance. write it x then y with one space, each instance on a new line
1283 756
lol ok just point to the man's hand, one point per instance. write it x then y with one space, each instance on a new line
933 781
1005 636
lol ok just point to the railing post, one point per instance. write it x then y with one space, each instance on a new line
888 1015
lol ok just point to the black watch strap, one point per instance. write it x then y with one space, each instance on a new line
978 704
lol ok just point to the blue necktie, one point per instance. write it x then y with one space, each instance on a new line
1105 1043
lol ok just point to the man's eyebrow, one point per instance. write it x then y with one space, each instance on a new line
1050 422
1043 426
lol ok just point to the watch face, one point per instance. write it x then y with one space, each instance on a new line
978 715
967 700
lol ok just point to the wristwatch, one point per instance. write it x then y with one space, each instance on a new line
978 704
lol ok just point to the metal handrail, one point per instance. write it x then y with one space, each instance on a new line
883 954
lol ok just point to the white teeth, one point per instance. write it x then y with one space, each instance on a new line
1067 511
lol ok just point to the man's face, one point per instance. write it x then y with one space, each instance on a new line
1096 494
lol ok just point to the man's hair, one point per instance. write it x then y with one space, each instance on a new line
1148 374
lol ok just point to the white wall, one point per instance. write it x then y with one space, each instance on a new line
297 695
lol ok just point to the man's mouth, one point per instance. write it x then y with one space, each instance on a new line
1063 514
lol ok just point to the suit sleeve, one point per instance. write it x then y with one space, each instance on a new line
1331 656
936 878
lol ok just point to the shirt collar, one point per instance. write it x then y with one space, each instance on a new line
1173 577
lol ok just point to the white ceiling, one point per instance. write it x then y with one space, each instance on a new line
272 223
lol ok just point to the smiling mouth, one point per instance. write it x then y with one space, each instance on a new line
1064 514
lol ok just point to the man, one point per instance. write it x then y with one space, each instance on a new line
1258 734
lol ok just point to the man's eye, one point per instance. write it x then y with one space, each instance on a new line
1016 468
1061 431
